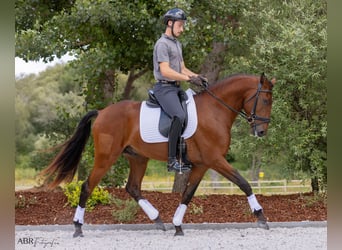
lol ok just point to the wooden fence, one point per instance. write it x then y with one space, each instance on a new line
226 187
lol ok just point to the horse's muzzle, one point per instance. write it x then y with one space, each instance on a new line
260 133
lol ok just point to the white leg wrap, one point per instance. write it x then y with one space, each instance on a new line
253 203
150 210
79 215
179 214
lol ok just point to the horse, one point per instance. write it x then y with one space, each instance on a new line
115 131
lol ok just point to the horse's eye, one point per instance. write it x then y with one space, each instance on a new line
265 101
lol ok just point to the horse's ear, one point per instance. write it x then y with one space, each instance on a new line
262 77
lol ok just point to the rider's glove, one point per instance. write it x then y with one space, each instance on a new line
196 80
204 81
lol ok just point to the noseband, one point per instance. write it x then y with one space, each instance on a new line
253 117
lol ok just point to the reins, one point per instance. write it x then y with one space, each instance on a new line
252 117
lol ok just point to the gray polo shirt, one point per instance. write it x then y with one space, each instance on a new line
167 49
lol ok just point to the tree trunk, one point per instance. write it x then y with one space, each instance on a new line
129 84
180 182
109 86
314 184
214 177
255 168
212 65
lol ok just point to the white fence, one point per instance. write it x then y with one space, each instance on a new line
226 187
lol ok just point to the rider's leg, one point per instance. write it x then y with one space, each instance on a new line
169 101
174 134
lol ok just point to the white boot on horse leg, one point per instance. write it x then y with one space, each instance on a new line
152 213
78 221
257 211
178 219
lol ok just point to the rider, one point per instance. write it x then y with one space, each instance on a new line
169 70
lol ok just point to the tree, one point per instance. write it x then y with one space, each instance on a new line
291 44
38 102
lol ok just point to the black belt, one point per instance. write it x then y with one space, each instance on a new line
176 83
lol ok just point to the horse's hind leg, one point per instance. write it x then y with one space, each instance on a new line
224 168
138 166
101 165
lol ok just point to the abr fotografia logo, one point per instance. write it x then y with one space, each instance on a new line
37 241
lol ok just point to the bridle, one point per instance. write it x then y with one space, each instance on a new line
253 117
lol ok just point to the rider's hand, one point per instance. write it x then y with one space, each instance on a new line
204 81
203 78
196 80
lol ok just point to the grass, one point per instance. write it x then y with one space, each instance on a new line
126 209
25 177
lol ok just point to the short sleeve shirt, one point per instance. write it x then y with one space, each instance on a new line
167 49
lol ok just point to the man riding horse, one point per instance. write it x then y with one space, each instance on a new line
169 70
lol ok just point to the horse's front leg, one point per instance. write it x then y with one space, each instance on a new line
138 165
195 178
234 176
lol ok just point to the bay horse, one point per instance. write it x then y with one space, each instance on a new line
116 131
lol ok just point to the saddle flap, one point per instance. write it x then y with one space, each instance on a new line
165 120
152 118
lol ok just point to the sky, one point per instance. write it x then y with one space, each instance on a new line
33 67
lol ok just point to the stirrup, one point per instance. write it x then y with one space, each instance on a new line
174 166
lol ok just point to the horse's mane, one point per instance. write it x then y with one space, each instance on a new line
228 80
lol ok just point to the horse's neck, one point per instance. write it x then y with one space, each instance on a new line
232 94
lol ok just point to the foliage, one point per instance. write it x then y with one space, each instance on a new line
21 202
38 104
72 191
127 209
194 209
291 43
117 175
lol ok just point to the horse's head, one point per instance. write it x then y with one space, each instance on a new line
258 106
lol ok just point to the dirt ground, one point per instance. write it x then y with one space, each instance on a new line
34 207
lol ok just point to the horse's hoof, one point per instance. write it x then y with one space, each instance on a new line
159 224
78 230
262 221
78 233
179 231
263 225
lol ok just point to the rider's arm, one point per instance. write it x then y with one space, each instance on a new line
187 71
168 72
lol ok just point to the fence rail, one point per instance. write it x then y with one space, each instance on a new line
218 187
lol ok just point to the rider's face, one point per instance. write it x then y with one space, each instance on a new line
178 27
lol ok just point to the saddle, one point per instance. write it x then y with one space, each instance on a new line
165 124
165 120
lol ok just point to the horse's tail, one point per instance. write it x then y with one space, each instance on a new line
66 162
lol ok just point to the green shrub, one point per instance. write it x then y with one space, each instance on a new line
99 196
127 210
21 201
194 209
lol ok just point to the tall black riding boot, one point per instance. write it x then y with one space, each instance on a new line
174 134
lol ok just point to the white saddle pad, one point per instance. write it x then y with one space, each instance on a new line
149 121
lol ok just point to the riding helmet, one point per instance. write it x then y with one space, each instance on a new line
174 14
